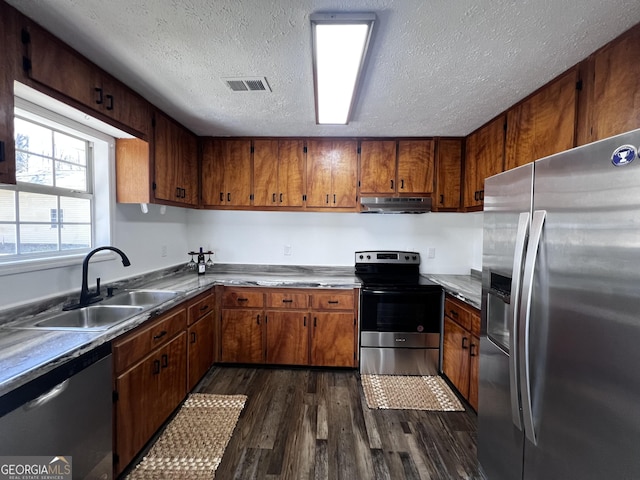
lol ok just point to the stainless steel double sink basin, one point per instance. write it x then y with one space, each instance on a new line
108 313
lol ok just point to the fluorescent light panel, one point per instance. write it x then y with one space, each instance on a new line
340 44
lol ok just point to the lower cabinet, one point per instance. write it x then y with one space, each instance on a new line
461 348
200 346
289 326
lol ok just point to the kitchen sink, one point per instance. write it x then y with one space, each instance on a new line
93 318
142 298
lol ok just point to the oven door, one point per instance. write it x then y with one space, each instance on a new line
405 310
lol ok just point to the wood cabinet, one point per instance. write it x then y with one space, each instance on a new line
200 337
278 173
544 123
175 162
448 173
333 334
461 345
332 174
415 166
484 157
52 63
241 326
8 39
611 89
287 337
150 366
226 172
389 167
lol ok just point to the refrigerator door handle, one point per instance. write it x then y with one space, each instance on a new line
516 275
537 224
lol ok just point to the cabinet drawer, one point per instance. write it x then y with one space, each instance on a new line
200 307
457 312
242 297
287 300
339 300
139 343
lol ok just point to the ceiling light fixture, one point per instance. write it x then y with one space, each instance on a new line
339 42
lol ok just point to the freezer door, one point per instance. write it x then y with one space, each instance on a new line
508 198
583 336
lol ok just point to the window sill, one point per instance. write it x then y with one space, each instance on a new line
36 264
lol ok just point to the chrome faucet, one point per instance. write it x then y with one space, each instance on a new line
86 296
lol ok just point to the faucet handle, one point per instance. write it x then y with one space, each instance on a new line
110 291
98 286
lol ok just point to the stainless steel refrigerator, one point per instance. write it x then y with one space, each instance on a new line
559 387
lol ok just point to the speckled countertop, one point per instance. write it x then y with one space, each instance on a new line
27 354
467 288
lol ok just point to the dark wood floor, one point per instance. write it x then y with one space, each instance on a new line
315 424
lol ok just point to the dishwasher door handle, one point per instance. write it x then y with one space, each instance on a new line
47 397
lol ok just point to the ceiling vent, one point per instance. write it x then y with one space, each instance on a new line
248 84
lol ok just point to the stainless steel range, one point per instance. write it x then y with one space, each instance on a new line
400 315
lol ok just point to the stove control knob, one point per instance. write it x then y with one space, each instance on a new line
415 257
406 257
368 257
361 257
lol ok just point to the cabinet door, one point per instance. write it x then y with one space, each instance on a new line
213 190
291 161
147 394
188 165
544 124
287 337
320 154
333 339
616 87
168 171
455 356
125 106
377 166
484 157
8 38
241 336
344 174
449 170
415 166
265 173
237 172
474 354
200 347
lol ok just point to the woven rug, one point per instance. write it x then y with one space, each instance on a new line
192 445
409 392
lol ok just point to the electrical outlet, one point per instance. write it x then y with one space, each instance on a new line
287 250
431 252
163 251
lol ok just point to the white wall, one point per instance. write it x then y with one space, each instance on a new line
141 237
332 238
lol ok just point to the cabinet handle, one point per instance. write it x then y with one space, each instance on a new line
156 367
160 335
441 199
280 198
203 308
391 184
481 195
258 319
273 198
229 197
221 197
453 313
315 322
402 183
109 102
305 320
464 343
327 198
287 300
177 192
333 302
242 300
193 337
99 100
472 350
165 360
334 198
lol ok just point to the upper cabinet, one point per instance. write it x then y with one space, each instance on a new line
9 41
332 173
611 89
53 64
484 157
544 123
390 167
278 172
415 166
226 172
176 162
448 171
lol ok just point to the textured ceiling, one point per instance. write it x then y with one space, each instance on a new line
436 67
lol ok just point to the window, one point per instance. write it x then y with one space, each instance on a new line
51 211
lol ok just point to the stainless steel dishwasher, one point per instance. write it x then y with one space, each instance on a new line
65 412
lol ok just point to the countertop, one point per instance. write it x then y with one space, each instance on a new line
27 354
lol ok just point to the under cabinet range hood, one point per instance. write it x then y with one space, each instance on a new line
395 204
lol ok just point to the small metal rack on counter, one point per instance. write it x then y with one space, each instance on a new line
193 265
